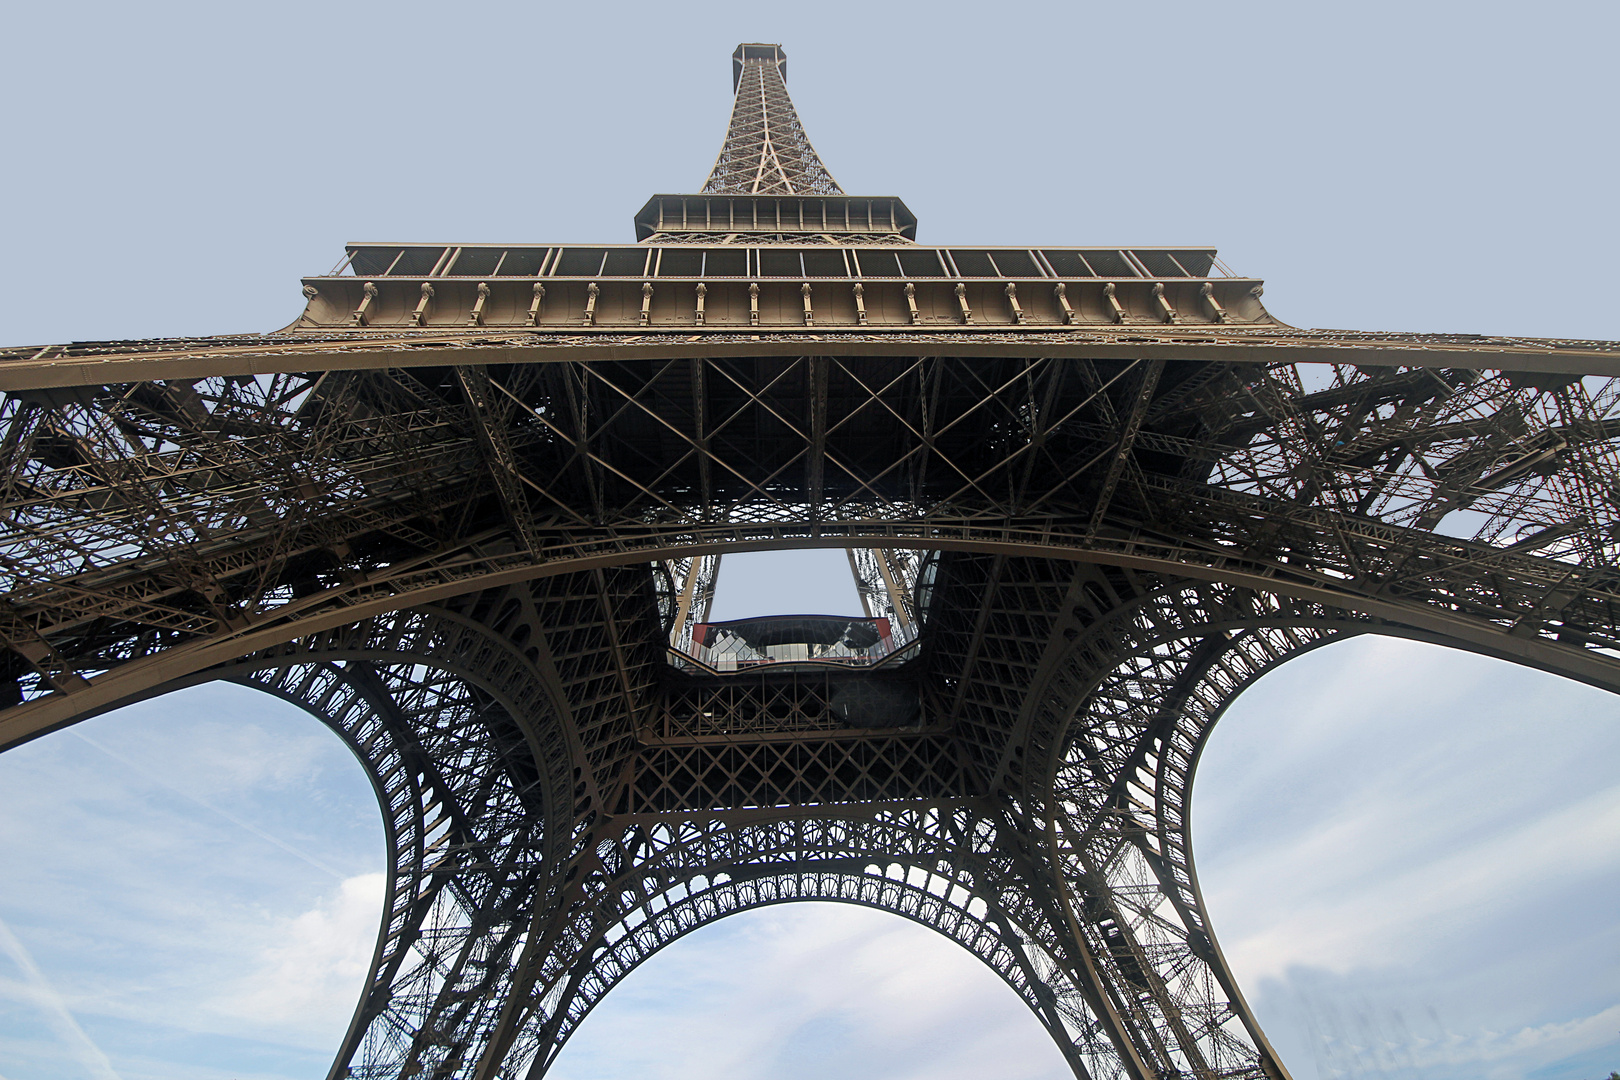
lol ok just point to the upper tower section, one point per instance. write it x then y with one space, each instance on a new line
772 242
769 184
766 151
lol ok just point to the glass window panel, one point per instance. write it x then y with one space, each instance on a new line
371 261
921 264
825 264
475 262
580 262
1110 264
523 262
1196 263
878 263
726 262
1159 264
417 262
776 262
1016 264
625 262
973 263
680 262
1068 263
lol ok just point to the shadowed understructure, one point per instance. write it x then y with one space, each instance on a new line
469 509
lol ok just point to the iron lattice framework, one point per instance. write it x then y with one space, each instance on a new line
766 151
469 509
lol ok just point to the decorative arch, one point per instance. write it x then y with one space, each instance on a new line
512 910
950 867
448 721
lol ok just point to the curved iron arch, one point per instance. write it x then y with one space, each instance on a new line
1129 711
1056 1007
772 862
470 851
1538 643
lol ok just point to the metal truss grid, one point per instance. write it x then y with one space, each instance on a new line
478 557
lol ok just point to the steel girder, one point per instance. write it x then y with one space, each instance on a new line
1104 505
495 945
453 567
766 150
207 519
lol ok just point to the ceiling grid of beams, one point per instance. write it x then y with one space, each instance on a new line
470 507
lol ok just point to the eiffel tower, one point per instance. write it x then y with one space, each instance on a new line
469 509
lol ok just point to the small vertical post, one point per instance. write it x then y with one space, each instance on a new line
1208 293
646 302
753 303
534 305
702 293
591 293
368 296
809 312
961 302
1061 291
1165 309
860 303
1113 302
422 305
1012 302
911 302
476 318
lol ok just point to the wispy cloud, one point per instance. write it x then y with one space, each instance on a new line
155 884
1386 823
1339 922
808 991
159 779
38 991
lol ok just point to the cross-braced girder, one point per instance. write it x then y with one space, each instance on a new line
766 150
1093 494
430 704
360 488
1308 490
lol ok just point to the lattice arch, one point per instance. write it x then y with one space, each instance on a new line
447 722
1123 720
945 868
1018 957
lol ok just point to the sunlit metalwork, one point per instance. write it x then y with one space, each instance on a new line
469 510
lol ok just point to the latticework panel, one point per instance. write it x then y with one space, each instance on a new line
940 865
766 151
475 571
465 813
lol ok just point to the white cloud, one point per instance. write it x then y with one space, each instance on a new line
1340 919
812 990
145 882
312 966
1392 830
1562 1038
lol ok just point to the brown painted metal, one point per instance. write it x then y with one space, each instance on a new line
468 508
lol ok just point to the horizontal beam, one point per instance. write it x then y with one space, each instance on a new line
112 689
185 360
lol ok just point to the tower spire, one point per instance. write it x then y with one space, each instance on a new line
766 151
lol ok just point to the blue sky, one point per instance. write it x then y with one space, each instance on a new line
1410 855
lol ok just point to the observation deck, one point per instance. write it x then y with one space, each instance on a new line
816 640
817 282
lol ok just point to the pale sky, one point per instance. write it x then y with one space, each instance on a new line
1410 855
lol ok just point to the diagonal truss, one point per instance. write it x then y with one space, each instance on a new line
478 555
766 151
